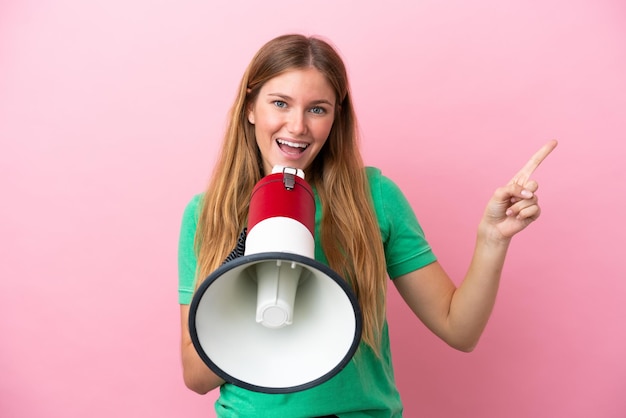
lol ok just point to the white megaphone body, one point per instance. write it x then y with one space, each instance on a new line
275 320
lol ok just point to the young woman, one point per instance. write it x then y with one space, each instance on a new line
294 108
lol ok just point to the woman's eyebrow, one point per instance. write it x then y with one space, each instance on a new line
287 97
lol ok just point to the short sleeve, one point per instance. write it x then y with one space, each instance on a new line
404 241
187 260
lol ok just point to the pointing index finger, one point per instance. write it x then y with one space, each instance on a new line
524 174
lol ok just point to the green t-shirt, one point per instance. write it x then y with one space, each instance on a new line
366 386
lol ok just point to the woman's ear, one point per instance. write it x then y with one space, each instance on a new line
250 106
250 113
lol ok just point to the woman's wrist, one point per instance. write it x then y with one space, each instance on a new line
489 235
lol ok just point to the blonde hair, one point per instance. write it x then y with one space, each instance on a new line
350 235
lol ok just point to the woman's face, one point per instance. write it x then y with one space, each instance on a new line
292 118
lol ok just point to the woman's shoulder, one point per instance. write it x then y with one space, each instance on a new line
379 183
373 172
374 176
195 200
192 208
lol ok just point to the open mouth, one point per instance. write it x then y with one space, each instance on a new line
291 147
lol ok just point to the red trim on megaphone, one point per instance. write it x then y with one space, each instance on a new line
270 198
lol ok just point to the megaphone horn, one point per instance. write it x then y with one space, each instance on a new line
275 320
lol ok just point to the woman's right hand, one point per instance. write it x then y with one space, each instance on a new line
197 375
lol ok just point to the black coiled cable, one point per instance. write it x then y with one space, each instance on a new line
240 248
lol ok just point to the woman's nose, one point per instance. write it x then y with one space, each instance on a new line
296 123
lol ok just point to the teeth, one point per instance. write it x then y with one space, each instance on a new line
292 144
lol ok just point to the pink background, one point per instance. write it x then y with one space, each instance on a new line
110 116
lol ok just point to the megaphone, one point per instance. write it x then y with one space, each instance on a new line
275 320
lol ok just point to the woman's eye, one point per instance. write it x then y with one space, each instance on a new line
280 103
318 110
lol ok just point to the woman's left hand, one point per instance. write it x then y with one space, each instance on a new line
515 206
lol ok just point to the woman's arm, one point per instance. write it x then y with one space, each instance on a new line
198 377
456 315
459 315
